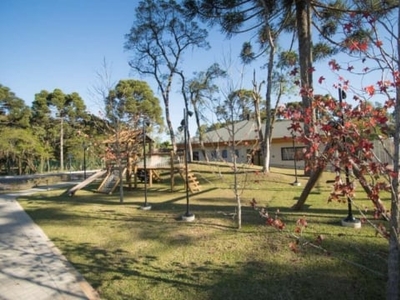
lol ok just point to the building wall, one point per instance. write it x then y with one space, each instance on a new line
281 154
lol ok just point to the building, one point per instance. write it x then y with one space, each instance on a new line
218 145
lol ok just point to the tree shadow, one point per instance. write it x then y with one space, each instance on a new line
252 278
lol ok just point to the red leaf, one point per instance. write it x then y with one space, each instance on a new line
302 222
270 221
321 79
334 65
348 27
293 247
294 72
370 90
278 224
363 46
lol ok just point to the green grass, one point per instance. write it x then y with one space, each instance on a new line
128 253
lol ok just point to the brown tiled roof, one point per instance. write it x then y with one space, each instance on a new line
246 130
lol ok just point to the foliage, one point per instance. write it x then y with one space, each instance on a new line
129 101
34 137
342 133
13 111
237 106
19 150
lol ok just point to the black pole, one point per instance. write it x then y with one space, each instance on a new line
144 163
186 161
349 217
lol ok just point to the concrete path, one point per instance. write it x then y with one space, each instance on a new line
31 267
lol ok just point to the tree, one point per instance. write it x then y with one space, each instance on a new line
229 111
128 103
104 90
43 126
269 19
160 36
68 107
19 147
57 118
130 100
13 111
200 89
348 130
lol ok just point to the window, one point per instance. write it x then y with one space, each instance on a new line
225 153
288 153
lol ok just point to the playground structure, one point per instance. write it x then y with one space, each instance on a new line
166 162
130 164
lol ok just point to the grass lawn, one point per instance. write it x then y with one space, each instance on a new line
129 253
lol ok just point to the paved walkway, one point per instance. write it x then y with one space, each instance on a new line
31 267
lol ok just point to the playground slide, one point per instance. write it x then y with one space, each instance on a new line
84 183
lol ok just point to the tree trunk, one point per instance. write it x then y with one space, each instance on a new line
392 292
200 131
314 178
19 166
311 183
256 102
169 125
393 285
303 18
190 149
308 187
378 202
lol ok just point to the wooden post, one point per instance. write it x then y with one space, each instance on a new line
135 177
129 171
150 177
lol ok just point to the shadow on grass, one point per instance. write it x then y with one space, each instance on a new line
325 278
204 207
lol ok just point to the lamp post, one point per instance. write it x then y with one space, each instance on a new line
296 182
188 217
349 221
146 206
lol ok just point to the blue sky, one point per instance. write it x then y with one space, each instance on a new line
48 44
51 44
